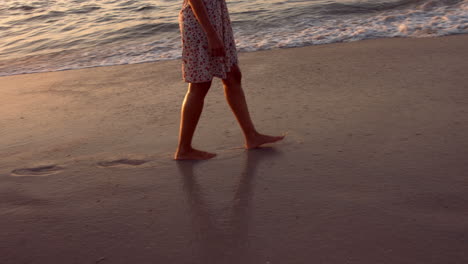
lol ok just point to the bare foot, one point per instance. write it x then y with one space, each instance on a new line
260 139
193 154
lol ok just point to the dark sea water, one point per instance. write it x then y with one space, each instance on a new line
51 35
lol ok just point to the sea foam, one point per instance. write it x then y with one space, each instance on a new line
285 24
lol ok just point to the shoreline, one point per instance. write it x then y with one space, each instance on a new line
165 60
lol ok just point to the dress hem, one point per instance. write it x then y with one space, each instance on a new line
214 75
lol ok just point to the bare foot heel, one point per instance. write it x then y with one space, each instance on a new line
260 139
193 154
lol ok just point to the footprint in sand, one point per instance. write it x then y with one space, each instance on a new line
37 171
120 162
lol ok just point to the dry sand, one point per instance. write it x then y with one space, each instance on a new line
374 168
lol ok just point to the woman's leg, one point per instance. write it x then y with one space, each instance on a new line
190 114
236 99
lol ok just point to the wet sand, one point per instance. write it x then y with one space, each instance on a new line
374 168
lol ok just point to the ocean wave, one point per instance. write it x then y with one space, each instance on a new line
22 8
51 14
366 7
83 10
416 19
145 8
118 38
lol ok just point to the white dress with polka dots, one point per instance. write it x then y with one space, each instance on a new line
197 64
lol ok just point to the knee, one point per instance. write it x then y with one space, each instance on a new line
199 89
234 77
236 74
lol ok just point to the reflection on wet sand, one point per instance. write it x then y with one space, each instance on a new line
229 243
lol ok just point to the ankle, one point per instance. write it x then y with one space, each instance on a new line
184 149
251 135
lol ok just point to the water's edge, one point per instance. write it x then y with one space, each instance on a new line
47 36
255 51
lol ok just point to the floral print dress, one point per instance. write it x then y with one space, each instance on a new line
197 64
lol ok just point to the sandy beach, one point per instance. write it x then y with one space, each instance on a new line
373 169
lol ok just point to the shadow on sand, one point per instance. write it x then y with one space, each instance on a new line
230 242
